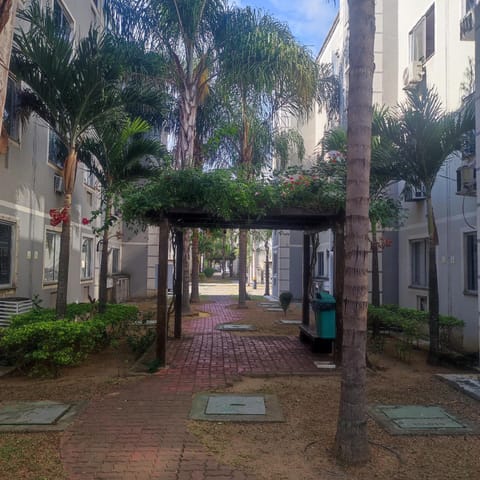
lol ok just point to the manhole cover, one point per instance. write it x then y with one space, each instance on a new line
415 419
468 384
235 405
235 327
236 408
34 413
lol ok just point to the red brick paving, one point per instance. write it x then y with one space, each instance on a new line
140 432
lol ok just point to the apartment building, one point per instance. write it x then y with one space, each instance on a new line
31 185
416 41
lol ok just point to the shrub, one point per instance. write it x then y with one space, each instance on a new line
140 342
38 343
209 271
285 300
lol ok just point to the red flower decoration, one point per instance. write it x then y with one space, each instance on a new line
58 216
85 221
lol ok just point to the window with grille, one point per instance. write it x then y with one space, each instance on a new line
419 263
422 37
51 256
6 253
471 262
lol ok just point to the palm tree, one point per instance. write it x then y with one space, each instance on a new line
116 156
425 136
71 87
351 443
265 70
7 17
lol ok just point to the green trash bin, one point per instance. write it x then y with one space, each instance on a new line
325 316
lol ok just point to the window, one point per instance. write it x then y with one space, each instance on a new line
419 270
10 115
87 258
6 255
51 256
57 151
63 22
422 37
320 264
471 265
115 260
89 178
467 5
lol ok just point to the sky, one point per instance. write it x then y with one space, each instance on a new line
309 20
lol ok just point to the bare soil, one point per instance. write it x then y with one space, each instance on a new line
298 449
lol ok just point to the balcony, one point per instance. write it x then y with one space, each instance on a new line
467 26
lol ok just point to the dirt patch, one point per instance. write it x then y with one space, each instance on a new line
301 448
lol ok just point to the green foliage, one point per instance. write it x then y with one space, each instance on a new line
208 272
412 324
285 299
228 194
140 341
39 343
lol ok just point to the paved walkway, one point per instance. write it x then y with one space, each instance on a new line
140 432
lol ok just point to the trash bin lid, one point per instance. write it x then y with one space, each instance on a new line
325 297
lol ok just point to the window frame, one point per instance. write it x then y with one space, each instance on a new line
427 35
52 136
58 235
12 252
66 14
470 265
321 271
119 263
83 269
12 83
414 269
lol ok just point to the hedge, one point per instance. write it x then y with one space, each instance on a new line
37 343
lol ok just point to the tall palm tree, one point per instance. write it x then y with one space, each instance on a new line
8 9
425 135
71 87
265 70
115 156
351 443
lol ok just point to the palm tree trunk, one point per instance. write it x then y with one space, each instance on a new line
102 291
186 273
267 271
7 17
195 295
433 299
242 268
351 442
69 175
186 135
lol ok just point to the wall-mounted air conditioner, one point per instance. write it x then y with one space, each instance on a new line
413 74
466 180
57 184
414 194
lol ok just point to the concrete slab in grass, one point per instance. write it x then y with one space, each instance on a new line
419 420
235 327
37 416
221 407
274 309
468 384
290 322
269 304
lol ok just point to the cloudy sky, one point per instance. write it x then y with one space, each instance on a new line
309 20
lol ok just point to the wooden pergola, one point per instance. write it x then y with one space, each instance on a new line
180 218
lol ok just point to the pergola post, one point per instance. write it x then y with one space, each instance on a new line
162 286
178 283
306 280
339 259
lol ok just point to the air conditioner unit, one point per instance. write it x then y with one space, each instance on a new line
57 184
413 74
414 194
466 180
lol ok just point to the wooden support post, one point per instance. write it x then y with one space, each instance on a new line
306 280
178 283
338 276
162 305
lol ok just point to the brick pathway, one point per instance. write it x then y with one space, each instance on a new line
140 432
